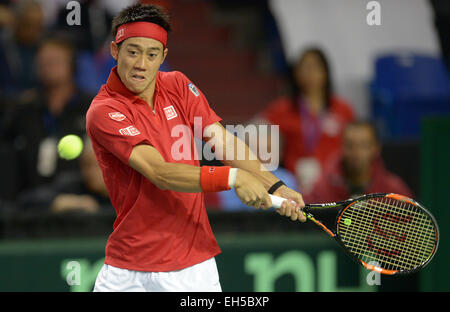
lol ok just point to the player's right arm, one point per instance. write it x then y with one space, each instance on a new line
114 130
167 176
186 178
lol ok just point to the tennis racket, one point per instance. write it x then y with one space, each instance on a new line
384 232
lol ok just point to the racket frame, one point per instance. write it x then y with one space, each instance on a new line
348 203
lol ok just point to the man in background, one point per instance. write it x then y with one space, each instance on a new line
19 38
43 115
357 170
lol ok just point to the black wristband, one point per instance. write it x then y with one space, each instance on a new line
275 187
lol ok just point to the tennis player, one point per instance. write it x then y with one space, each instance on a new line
162 239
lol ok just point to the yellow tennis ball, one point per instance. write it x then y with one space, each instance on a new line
70 147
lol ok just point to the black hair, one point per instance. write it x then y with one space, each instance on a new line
141 13
296 90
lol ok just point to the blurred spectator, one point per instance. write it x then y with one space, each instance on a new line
311 120
91 36
6 15
357 170
95 22
45 114
19 40
82 190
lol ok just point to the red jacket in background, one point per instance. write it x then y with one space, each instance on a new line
285 113
332 185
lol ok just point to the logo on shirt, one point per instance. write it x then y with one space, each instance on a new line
117 116
170 112
193 89
129 131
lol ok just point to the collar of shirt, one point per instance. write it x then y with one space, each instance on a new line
114 84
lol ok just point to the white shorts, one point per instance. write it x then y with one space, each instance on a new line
197 278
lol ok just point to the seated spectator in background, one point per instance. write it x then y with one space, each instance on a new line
311 120
357 170
45 114
82 190
92 38
92 33
6 15
18 46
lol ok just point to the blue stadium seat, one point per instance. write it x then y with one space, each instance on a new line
89 72
405 88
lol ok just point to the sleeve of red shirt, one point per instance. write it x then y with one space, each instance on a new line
196 103
117 137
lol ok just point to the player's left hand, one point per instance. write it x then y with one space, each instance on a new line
293 206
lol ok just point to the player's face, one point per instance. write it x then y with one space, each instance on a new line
359 148
138 61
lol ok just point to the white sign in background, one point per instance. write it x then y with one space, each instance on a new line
341 28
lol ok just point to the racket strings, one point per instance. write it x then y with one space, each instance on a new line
403 228
418 229
385 246
368 255
363 252
383 243
407 252
421 243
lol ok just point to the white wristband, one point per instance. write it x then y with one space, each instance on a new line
232 177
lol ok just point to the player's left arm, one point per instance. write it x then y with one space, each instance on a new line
225 141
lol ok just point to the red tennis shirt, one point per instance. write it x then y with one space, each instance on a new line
155 230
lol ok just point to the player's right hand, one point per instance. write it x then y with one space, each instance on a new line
251 191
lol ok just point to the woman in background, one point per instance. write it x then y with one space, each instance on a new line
311 119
